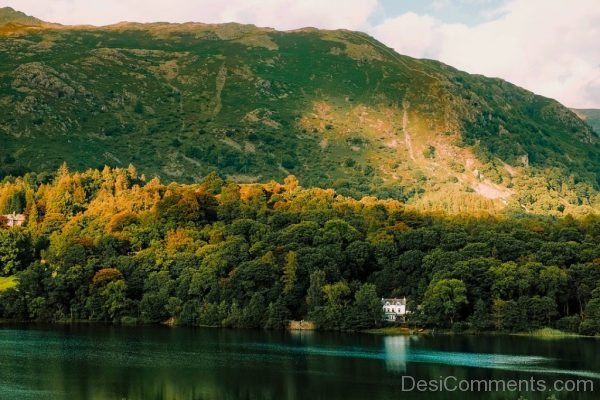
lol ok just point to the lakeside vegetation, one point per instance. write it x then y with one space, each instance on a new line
111 245
396 330
548 333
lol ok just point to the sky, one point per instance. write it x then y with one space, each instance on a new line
551 47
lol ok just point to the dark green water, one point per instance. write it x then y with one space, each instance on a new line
105 362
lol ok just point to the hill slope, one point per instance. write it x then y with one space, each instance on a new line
591 116
335 108
11 16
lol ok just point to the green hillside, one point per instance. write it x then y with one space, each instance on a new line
591 116
335 108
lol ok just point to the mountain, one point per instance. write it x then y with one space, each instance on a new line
335 108
10 16
591 116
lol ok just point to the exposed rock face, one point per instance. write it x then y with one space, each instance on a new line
36 77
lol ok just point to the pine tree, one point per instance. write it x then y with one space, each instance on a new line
289 271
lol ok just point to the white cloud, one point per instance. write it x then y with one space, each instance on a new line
411 34
548 46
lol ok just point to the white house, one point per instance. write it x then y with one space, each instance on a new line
394 309
14 219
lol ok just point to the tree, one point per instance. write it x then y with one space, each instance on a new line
254 314
443 301
234 317
552 281
480 319
185 207
358 254
475 274
115 302
510 316
511 280
366 311
157 292
229 202
213 183
15 203
337 231
289 271
429 152
277 315
106 275
540 311
15 250
591 323
314 295
331 315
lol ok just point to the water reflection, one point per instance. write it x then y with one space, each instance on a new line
396 348
138 363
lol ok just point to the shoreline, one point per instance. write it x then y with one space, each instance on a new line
542 333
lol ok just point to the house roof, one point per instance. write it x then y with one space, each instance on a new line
394 301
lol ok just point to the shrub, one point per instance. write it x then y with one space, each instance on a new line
106 275
569 324
429 152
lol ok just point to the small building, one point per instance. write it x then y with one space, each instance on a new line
14 219
394 309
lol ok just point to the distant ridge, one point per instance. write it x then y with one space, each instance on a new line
591 116
9 15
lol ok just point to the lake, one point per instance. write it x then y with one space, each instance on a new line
109 362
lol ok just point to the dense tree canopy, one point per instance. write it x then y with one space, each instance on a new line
113 246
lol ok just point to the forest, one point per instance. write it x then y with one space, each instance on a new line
113 246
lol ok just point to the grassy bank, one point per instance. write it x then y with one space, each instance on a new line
302 326
549 333
398 330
